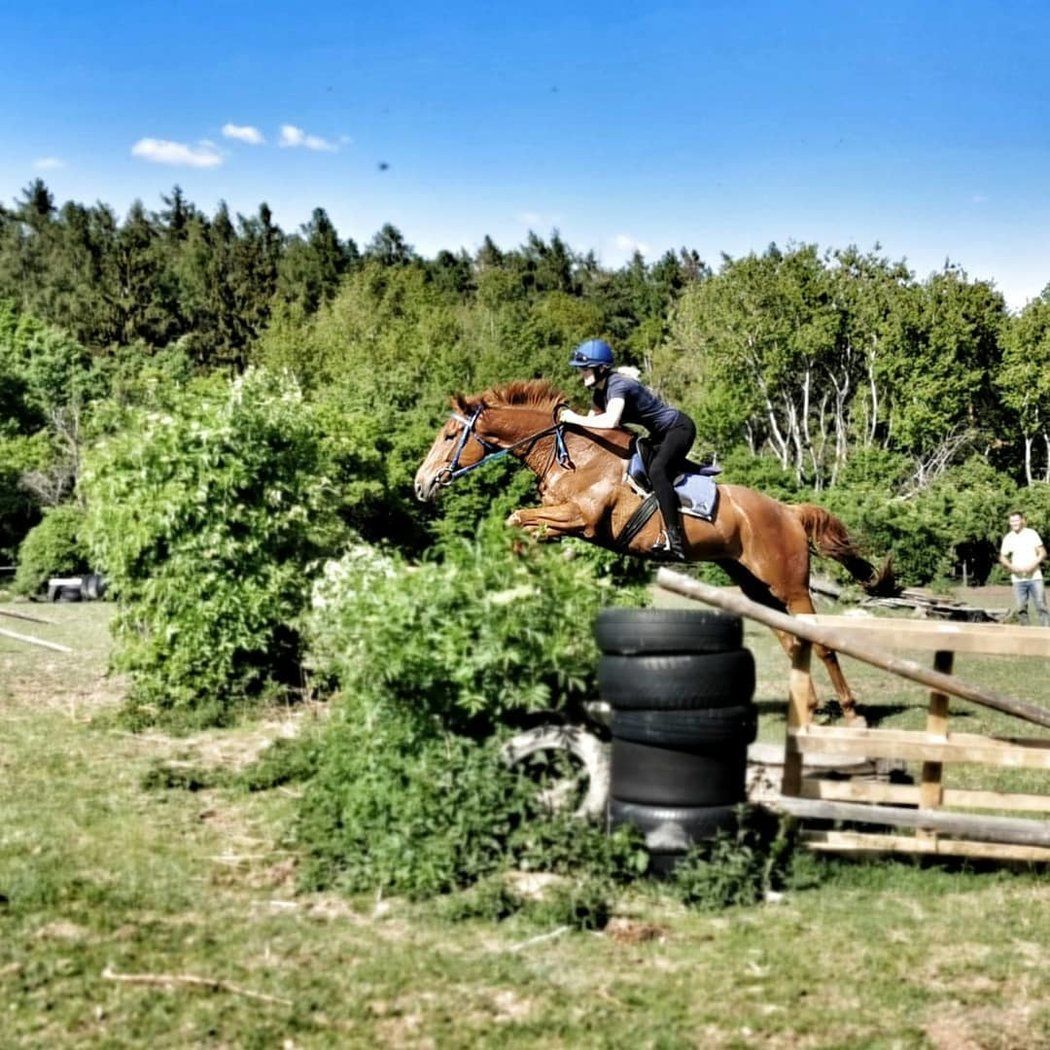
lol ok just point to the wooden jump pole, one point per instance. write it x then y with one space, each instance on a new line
25 616
30 640
833 639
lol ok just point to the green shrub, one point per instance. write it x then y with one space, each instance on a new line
52 548
737 868
399 804
501 625
208 520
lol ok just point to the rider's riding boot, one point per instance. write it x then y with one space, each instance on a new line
675 543
674 549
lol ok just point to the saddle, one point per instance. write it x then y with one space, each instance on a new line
697 491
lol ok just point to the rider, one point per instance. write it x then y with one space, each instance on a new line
620 398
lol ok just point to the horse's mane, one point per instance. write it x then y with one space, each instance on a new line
525 393
541 395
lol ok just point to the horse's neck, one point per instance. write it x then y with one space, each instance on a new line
607 448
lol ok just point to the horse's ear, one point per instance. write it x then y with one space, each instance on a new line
458 401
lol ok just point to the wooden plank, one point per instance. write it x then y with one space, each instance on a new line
936 725
862 842
843 643
908 795
920 747
993 639
981 828
860 791
964 798
29 639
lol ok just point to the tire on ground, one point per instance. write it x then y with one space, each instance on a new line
672 829
647 631
677 682
589 751
720 726
663 776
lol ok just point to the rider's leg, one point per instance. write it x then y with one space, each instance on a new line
669 451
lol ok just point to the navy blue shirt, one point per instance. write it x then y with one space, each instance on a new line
640 405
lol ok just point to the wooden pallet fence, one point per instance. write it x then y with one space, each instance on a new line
923 807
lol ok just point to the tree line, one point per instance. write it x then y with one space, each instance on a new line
837 372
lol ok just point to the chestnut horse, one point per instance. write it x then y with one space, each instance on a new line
762 544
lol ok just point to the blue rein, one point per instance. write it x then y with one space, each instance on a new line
493 451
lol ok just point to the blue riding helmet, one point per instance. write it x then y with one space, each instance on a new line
594 353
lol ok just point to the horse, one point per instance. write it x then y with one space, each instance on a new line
762 544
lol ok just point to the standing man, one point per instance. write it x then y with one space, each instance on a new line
1021 554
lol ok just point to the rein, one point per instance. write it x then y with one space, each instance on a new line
493 451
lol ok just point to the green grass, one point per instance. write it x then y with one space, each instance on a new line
102 866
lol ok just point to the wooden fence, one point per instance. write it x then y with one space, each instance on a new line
928 807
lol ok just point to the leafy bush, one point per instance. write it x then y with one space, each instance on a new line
737 868
208 521
501 625
52 548
399 804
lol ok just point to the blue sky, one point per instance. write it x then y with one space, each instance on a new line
720 126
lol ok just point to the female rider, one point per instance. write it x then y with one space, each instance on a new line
620 398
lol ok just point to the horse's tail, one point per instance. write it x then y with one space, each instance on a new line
830 538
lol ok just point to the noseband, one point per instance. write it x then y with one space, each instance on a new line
446 475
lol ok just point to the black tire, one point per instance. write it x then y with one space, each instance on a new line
677 683
672 829
663 776
642 631
69 594
719 726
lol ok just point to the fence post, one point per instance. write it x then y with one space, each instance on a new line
800 689
931 789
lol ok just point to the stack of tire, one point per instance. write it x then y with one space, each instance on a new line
681 687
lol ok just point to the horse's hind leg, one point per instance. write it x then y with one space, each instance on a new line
759 592
802 604
796 600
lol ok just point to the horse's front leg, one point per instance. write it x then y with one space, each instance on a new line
562 519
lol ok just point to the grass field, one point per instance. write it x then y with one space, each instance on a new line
105 873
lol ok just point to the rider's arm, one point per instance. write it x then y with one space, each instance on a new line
607 420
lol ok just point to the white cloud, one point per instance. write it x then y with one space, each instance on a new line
243 133
536 221
161 151
626 243
48 163
296 138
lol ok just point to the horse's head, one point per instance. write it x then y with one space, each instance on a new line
504 419
458 446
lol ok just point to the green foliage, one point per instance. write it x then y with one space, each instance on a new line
208 520
285 761
500 625
738 868
399 804
52 548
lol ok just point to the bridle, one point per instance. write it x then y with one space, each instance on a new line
446 475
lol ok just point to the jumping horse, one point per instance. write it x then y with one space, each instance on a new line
762 544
